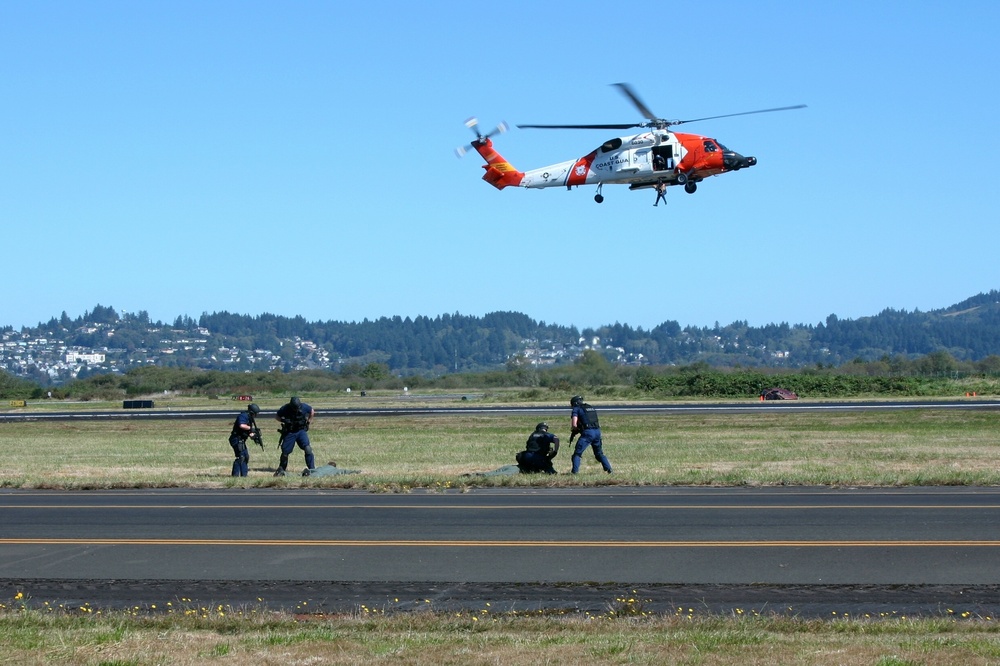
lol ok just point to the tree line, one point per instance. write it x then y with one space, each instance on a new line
591 373
446 344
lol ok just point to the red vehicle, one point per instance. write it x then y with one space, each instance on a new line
778 394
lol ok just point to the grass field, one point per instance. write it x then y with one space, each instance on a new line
394 454
874 448
220 636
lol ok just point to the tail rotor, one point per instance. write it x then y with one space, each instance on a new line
473 124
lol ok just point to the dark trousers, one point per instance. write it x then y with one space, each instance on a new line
241 465
592 438
288 443
530 462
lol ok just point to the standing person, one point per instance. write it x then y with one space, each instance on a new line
541 448
244 427
584 423
295 418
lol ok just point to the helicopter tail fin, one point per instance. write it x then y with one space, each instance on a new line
499 172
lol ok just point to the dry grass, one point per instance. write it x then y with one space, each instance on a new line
221 635
903 447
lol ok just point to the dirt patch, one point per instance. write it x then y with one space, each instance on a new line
806 601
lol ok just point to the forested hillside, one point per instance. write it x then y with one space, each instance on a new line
447 341
969 331
103 340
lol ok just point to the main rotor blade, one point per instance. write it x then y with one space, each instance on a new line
626 90
744 113
609 127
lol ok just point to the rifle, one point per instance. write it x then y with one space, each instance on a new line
283 430
255 434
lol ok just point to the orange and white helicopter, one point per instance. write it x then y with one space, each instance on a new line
655 157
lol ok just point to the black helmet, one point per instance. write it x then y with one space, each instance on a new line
542 426
295 401
253 409
576 400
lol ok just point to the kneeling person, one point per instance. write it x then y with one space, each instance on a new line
541 448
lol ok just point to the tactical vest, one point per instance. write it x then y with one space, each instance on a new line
537 443
589 419
297 421
238 431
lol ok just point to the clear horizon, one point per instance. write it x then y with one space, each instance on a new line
170 320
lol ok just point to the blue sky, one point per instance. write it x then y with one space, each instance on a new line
297 158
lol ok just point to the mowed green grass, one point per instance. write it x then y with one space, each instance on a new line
927 446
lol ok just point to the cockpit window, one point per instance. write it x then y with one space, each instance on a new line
613 144
710 146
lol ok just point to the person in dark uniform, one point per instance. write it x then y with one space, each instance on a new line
584 423
244 427
541 448
295 418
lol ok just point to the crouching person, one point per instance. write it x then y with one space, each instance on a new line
295 418
541 448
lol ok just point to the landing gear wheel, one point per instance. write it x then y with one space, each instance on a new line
690 187
599 198
682 178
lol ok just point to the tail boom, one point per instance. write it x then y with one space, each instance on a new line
499 172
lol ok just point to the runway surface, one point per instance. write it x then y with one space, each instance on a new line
404 409
810 551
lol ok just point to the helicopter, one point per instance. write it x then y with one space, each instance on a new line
656 158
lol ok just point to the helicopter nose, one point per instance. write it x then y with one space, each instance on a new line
733 161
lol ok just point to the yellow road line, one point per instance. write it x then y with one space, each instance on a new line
365 543
506 507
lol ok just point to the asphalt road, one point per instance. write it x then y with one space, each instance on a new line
791 550
543 411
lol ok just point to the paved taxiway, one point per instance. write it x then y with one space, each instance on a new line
537 544
540 411
622 535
